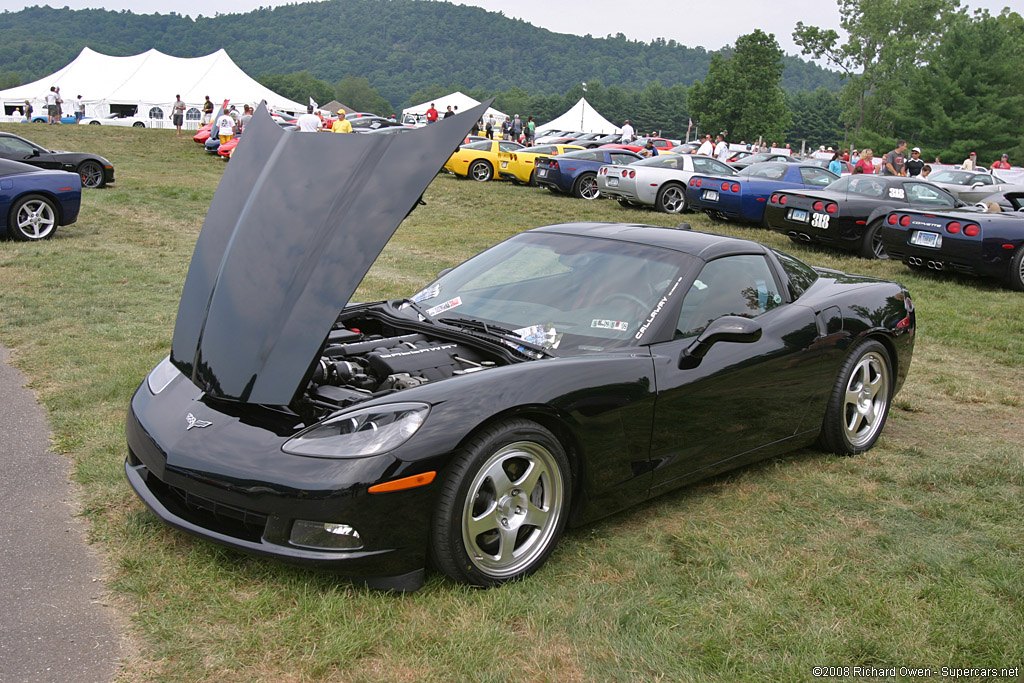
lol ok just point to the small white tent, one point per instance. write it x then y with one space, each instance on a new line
457 100
148 82
581 117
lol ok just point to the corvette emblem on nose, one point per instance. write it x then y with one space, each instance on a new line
191 421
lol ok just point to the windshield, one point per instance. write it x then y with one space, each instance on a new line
675 161
953 177
860 184
576 294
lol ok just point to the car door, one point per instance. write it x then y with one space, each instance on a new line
741 397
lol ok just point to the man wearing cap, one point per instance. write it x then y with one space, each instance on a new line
970 163
893 162
915 163
1003 163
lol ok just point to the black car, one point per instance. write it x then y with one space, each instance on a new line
849 213
566 373
94 170
973 241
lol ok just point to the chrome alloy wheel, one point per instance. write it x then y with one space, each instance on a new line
513 509
36 219
867 399
673 199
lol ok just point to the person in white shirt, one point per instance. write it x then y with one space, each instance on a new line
707 148
970 163
627 132
225 127
721 149
308 122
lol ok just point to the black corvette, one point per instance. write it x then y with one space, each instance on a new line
566 373
972 241
848 213
94 170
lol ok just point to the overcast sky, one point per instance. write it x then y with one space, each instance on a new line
711 25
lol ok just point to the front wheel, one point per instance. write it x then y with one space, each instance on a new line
481 171
671 199
94 123
859 404
138 124
1015 273
502 506
33 217
91 173
871 247
585 187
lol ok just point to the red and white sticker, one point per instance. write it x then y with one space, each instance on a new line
446 306
617 325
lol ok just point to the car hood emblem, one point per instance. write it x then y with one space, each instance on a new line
295 224
192 421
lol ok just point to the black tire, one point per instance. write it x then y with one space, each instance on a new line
32 218
871 246
138 124
91 173
480 171
94 123
671 198
859 404
1015 272
585 187
509 485
532 182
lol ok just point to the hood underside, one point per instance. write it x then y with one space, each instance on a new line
295 224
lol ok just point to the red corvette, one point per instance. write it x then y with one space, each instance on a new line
203 134
661 144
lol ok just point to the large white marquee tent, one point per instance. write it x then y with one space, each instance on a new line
582 117
460 101
148 82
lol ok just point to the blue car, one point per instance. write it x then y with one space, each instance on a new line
743 197
67 118
36 201
576 172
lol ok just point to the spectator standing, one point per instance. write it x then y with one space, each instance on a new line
835 165
431 114
1003 163
866 163
79 109
845 156
649 150
531 131
970 163
226 127
177 113
475 130
246 117
895 160
342 125
721 148
506 128
449 112
926 171
489 128
60 105
915 163
517 128
706 148
207 111
627 133
51 106
307 123
28 111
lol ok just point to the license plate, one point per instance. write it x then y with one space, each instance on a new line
613 182
542 172
926 239
798 215
710 195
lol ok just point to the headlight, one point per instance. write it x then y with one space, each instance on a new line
161 375
360 433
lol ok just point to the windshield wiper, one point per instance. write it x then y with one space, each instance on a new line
498 331
414 305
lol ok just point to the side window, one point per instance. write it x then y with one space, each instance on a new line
507 146
622 159
922 193
193 114
733 285
718 168
983 179
18 147
156 113
818 177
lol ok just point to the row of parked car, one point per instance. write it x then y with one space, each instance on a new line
963 221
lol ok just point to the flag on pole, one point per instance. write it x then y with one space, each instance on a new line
313 103
689 126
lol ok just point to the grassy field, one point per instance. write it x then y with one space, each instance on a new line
910 555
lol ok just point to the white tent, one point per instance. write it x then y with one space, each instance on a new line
581 117
148 81
457 100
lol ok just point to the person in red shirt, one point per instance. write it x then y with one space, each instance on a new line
1002 163
431 114
866 164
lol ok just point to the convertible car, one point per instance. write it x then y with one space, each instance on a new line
35 202
972 241
657 181
566 373
575 173
94 170
849 213
744 196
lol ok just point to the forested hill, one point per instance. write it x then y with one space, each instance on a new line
401 46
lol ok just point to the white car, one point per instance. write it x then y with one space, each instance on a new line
117 120
657 181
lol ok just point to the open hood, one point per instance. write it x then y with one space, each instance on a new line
295 224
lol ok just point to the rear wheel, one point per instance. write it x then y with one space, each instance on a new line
94 123
1015 274
33 217
502 506
859 404
91 173
671 199
481 171
585 186
871 246
138 124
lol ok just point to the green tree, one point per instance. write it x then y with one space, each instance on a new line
9 79
298 86
355 92
815 118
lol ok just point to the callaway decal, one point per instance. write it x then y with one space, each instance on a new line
657 309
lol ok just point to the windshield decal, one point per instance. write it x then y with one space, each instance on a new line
657 309
428 293
544 335
446 306
617 325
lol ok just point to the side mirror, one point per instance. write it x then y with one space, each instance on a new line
445 271
728 328
35 152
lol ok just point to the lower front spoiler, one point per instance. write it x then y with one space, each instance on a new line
358 565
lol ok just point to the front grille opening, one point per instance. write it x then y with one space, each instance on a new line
229 520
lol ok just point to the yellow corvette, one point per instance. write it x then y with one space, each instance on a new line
478 160
518 166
